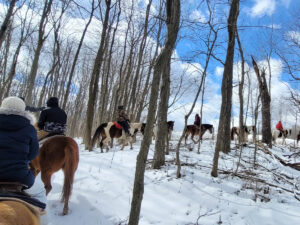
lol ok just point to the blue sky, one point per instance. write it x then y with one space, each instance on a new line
254 19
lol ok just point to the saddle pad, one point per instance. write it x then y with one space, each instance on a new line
117 125
35 210
24 197
43 140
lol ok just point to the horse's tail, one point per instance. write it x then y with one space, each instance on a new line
97 133
70 166
232 134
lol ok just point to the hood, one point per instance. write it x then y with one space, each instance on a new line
52 102
15 120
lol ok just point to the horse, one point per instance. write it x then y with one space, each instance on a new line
15 212
170 130
17 207
195 130
108 131
236 131
284 134
57 152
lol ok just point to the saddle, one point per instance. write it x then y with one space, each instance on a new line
43 140
14 191
117 125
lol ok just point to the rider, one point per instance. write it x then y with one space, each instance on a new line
279 127
52 120
18 142
123 120
197 120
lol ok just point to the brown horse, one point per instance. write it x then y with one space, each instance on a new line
195 130
57 152
16 212
109 131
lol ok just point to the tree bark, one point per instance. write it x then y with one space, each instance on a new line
37 53
6 21
93 88
162 114
266 105
223 137
173 17
76 58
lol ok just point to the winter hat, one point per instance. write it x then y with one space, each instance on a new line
13 103
52 102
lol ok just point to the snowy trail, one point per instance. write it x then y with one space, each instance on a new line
103 185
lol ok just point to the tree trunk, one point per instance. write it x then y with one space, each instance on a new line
6 21
37 53
173 17
266 105
76 58
140 57
162 128
93 88
223 137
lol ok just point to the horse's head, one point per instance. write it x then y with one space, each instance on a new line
171 125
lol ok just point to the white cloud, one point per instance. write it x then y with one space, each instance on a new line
219 71
294 36
263 7
198 16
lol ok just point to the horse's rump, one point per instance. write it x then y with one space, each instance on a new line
17 212
58 152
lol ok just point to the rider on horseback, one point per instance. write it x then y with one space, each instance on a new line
52 120
18 142
123 120
197 120
280 128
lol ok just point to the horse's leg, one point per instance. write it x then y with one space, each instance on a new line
130 142
186 136
46 178
193 137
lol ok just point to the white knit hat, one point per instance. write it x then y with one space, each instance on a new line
13 103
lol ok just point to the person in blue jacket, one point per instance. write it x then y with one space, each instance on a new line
18 142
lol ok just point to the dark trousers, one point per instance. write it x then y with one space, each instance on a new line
197 123
125 126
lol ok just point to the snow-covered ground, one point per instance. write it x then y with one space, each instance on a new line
103 186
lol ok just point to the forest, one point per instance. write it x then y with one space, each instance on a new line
234 63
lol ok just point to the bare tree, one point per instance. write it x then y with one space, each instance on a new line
223 137
266 104
93 87
41 39
67 92
6 20
173 17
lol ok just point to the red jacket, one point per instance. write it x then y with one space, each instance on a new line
279 126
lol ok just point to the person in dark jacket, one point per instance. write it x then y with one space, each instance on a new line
18 142
123 120
197 120
53 119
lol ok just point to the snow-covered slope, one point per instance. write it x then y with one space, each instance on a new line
103 185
